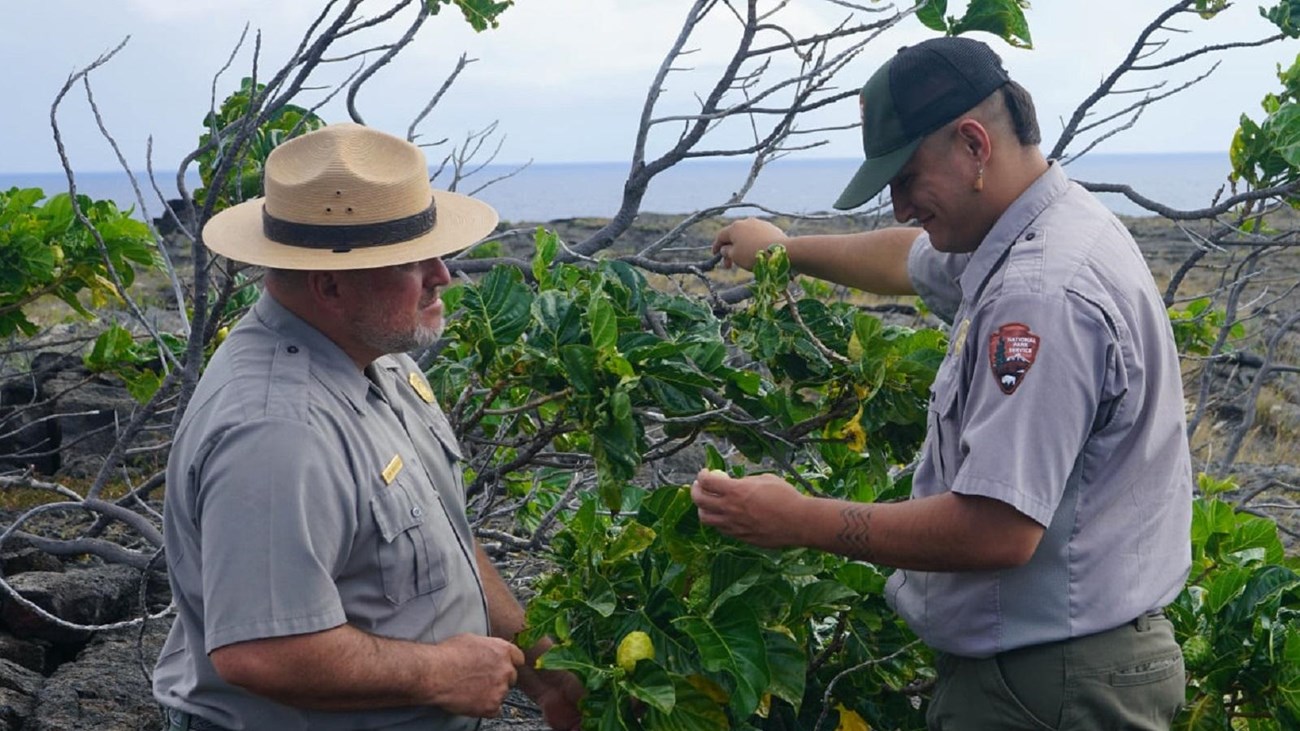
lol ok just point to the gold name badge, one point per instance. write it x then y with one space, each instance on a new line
959 340
390 472
421 386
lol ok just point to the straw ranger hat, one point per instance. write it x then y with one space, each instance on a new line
347 197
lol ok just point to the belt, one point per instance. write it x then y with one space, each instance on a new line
1143 621
178 720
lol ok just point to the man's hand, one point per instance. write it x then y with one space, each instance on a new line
558 695
556 692
481 670
740 242
758 509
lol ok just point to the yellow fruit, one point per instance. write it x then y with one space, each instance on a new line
221 335
634 647
719 472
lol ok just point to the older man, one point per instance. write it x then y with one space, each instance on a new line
321 561
1052 501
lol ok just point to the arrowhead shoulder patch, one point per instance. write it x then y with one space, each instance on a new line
1012 350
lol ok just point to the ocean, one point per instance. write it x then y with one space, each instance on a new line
543 192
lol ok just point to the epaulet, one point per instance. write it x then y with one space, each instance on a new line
289 381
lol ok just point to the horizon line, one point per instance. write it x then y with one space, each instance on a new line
552 163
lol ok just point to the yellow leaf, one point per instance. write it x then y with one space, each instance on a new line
854 436
710 689
850 720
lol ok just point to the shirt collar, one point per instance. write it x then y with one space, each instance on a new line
328 361
1014 223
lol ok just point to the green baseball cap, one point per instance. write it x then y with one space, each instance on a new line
919 90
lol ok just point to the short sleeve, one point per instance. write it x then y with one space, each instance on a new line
936 277
275 515
1039 368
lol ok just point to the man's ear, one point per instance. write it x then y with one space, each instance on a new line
975 139
325 288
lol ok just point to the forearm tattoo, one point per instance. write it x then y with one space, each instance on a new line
855 536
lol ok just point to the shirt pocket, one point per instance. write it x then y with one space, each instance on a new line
410 563
944 427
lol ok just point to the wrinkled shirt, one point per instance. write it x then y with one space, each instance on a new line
1061 396
303 494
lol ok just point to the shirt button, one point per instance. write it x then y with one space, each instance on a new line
292 348
416 512
1029 236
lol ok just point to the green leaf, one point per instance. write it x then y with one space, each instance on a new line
747 382
548 245
672 399
693 711
584 524
1002 18
1210 486
788 665
580 368
616 447
730 575
732 643
501 306
1226 585
1286 16
603 323
931 14
1266 584
1210 8
1283 129
650 684
632 539
480 14
863 578
1210 517
620 406
600 596
820 598
611 719
559 321
713 459
142 384
113 345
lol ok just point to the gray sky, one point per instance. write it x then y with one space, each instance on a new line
565 78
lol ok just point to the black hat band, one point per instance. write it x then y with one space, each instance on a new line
341 238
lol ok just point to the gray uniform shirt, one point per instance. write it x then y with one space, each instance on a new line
1061 396
303 494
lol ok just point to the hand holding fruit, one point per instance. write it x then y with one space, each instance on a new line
758 509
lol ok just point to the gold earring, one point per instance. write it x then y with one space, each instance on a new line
979 179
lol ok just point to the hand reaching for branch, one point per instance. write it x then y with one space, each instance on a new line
740 242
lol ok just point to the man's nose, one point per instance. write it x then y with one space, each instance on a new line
435 272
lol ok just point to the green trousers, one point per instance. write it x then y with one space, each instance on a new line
1130 677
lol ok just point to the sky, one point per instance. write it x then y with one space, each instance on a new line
564 80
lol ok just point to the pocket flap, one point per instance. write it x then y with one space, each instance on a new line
395 512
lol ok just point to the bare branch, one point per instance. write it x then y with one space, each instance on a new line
461 63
